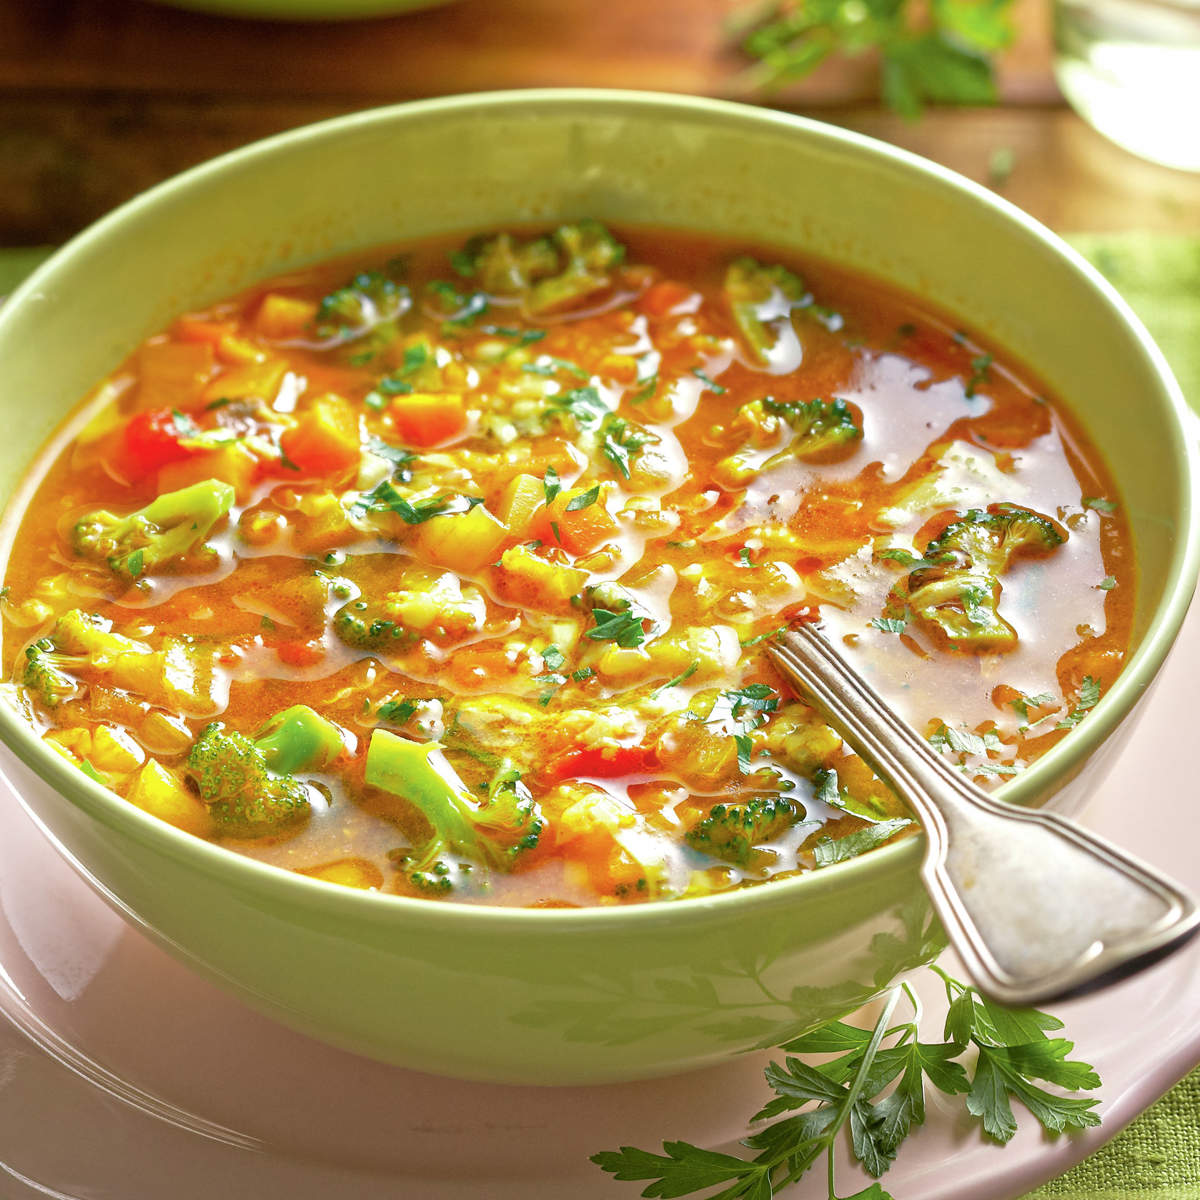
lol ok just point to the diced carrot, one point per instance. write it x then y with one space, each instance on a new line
464 542
200 329
661 298
171 374
325 439
428 418
232 464
281 316
301 654
523 496
577 530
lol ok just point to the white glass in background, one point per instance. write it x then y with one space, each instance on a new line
1131 69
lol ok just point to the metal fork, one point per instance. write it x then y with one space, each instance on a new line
1036 907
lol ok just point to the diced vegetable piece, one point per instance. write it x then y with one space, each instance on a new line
160 793
154 438
465 541
347 872
580 529
662 298
171 374
259 380
428 418
536 583
601 762
197 329
325 439
280 316
523 496
233 463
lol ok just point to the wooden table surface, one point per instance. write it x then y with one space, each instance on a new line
102 98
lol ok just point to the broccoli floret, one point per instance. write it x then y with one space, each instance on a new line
733 832
958 591
506 267
366 625
249 784
46 673
81 643
821 428
168 528
546 273
759 298
590 253
822 431
369 299
466 835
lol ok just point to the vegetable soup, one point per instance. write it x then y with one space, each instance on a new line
451 572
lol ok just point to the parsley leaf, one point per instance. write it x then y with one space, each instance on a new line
584 499
1088 697
835 850
888 624
1099 504
585 404
620 440
709 383
623 627
874 1083
397 712
981 372
683 675
550 484
384 498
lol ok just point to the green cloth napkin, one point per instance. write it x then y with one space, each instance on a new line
1158 1156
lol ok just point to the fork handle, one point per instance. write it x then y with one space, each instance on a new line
1035 906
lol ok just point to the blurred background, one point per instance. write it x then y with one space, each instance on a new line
102 98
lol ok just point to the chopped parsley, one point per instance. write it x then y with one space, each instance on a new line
551 484
709 383
1099 504
552 366
1085 701
981 373
889 624
683 675
620 440
584 499
385 498
623 627
397 712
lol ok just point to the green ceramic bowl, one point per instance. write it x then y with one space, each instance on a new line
304 10
557 996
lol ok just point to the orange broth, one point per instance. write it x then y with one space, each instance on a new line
546 515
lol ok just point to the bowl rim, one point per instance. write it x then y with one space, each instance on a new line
302 892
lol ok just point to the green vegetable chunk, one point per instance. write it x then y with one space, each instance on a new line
733 832
761 299
249 784
546 273
170 528
466 835
958 594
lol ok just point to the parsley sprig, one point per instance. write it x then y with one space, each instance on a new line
874 1083
940 53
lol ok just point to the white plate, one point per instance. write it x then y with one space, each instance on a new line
123 1077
